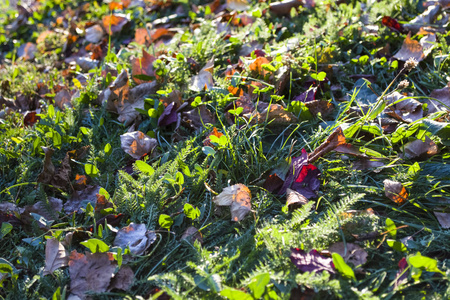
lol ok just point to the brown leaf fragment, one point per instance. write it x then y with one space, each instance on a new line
122 280
137 144
135 236
27 51
410 49
237 196
420 149
443 218
192 234
117 92
238 5
364 164
94 34
114 23
320 106
63 99
294 199
257 66
81 198
395 191
56 256
197 117
284 7
204 79
90 273
49 169
350 252
143 66
276 114
442 102
350 149
407 110
335 139
49 211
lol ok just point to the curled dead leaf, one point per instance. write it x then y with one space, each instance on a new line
94 34
138 144
351 253
410 49
136 237
395 191
192 234
443 218
197 117
122 280
27 51
335 139
442 102
80 199
237 196
294 199
114 23
143 66
276 114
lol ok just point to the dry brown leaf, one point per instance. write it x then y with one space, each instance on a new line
350 252
91 272
364 164
320 106
80 199
56 256
141 36
117 92
27 51
114 23
49 169
273 113
427 18
420 149
195 118
123 279
407 110
443 218
239 197
138 144
257 66
443 100
48 210
94 34
204 79
335 139
143 66
63 99
284 7
57 178
350 149
135 236
238 5
294 199
395 191
410 49
192 234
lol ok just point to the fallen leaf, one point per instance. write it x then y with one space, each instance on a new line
80 181
276 114
138 144
406 110
102 203
169 115
204 79
364 164
443 218
273 183
420 149
90 273
26 51
410 49
56 256
257 66
392 24
427 18
192 234
335 139
30 118
307 96
94 34
207 141
141 36
312 261
442 102
63 99
49 169
284 7
143 66
80 199
320 106
238 5
122 280
197 117
117 92
302 177
395 191
57 178
350 252
237 196
294 199
114 23
49 211
350 149
135 236
401 276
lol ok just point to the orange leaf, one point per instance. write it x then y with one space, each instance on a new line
237 196
113 23
410 49
256 66
142 66
395 191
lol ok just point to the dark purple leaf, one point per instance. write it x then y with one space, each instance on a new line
402 264
312 261
309 95
302 177
169 115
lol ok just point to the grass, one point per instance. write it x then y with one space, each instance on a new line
234 257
